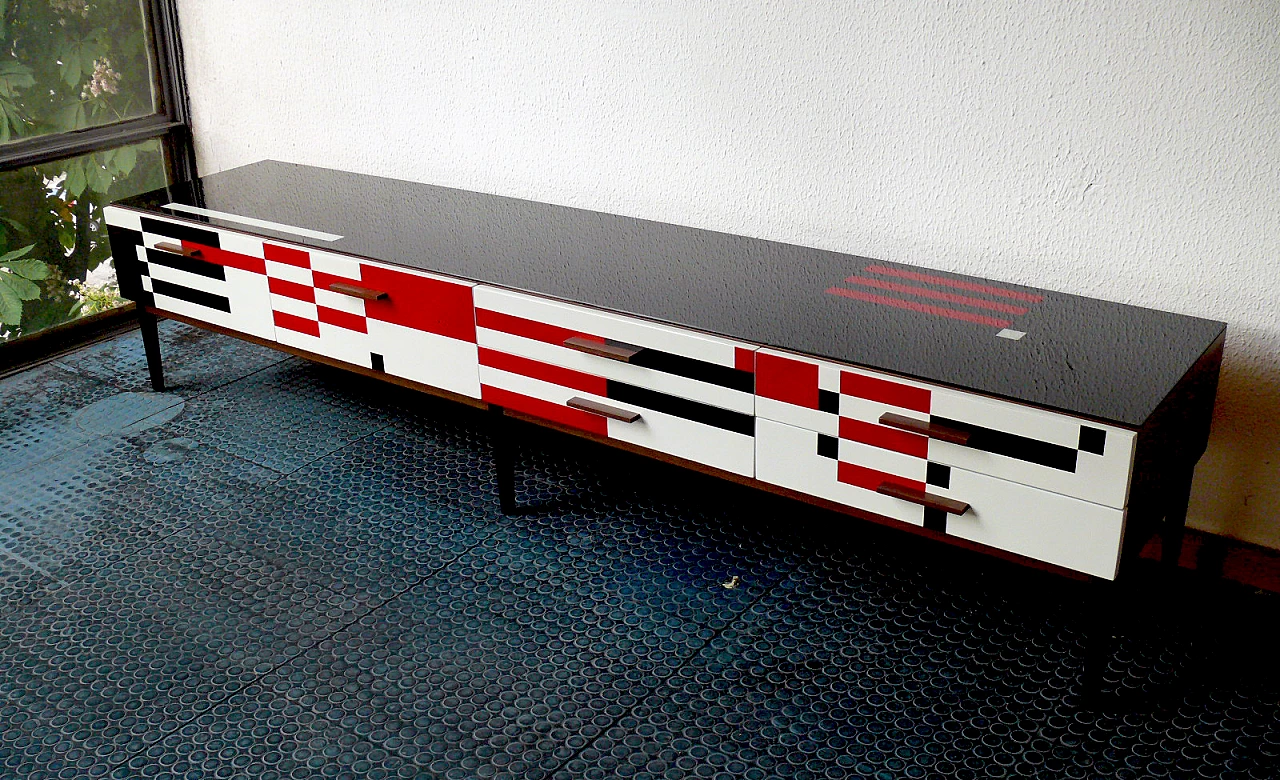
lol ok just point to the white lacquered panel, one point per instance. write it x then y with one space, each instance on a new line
429 358
617 327
683 438
787 456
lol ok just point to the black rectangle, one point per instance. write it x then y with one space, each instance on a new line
935 520
198 297
700 370
828 446
376 360
180 232
1092 440
188 264
124 253
1055 456
682 407
829 402
938 474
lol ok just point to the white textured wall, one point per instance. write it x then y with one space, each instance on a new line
1123 150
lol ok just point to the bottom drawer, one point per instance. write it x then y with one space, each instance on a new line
1046 526
729 450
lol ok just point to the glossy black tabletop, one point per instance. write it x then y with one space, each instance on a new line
1095 358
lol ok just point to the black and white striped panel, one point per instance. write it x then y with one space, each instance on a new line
232 298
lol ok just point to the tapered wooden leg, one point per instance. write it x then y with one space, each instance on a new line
504 459
147 323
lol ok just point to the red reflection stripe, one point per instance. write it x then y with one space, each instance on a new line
956 283
925 292
939 311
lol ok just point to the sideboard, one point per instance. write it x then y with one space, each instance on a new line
1051 428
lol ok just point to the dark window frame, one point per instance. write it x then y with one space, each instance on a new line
172 126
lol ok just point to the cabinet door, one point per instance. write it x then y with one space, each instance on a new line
407 323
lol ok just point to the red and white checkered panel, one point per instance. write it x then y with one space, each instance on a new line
423 330
1035 447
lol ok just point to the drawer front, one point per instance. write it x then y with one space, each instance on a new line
694 393
1039 524
226 288
726 442
1033 447
421 328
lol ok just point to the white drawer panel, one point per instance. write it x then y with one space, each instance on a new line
1039 524
1035 447
629 330
678 436
429 358
787 456
660 381
239 301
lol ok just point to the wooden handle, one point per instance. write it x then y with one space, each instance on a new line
613 351
926 500
178 249
924 428
367 293
592 407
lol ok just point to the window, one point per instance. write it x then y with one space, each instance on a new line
92 108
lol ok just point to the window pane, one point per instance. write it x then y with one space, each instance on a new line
70 64
55 261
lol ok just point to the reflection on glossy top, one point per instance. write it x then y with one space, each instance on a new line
1095 358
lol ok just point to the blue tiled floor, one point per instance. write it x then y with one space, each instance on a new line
280 570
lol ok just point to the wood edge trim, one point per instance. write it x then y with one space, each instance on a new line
356 291
924 428
622 353
926 500
603 410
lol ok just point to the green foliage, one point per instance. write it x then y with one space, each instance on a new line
17 283
66 65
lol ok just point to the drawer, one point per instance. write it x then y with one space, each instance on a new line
1040 524
1034 447
222 288
406 323
694 393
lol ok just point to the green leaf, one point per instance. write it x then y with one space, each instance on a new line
99 178
10 304
24 289
69 117
32 269
13 77
6 258
126 158
70 68
75 178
